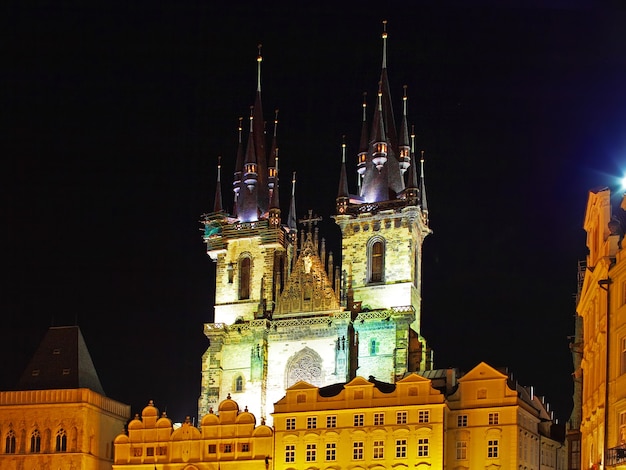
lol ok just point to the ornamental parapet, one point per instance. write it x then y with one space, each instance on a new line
219 229
387 314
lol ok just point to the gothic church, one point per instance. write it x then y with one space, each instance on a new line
284 310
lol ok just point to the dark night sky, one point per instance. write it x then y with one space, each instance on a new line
113 116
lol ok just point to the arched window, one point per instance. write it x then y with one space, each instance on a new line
239 384
376 259
61 441
35 442
244 278
10 443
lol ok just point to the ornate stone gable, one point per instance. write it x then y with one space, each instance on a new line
308 288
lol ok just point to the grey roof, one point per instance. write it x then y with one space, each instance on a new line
62 361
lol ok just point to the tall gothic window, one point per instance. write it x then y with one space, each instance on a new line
9 447
61 441
244 278
376 259
239 384
35 442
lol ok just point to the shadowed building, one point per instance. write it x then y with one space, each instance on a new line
59 417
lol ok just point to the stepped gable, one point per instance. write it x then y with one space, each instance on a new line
308 288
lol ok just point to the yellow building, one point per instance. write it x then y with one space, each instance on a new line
483 420
495 423
602 306
362 424
59 417
229 439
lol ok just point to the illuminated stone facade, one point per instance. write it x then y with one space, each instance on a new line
227 440
602 307
56 421
284 312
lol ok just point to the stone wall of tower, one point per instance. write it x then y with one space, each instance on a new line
403 233
228 306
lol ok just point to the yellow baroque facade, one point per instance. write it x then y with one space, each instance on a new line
481 420
602 307
227 440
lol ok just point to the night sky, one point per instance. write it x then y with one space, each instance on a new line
113 116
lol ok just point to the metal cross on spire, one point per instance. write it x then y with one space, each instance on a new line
310 220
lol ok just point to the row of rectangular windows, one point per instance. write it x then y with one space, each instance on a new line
378 450
358 450
423 416
492 419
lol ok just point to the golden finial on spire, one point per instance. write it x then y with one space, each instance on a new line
259 59
275 121
364 105
413 138
384 36
404 99
251 116
343 149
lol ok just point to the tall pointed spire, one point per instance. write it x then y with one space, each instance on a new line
342 193
423 188
238 168
292 217
403 145
388 117
272 170
379 154
247 210
217 206
259 141
363 144
274 210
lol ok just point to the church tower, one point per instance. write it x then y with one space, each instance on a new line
383 227
283 311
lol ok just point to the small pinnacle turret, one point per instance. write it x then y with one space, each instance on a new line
405 159
343 196
217 206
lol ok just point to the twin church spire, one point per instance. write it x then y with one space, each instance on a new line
386 162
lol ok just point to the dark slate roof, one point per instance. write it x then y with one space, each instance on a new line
62 361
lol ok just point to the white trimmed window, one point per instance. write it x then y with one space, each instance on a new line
400 448
379 449
311 422
422 447
379 419
331 451
461 421
401 417
494 418
311 452
357 450
423 416
290 424
358 419
331 421
290 453
492 448
461 450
